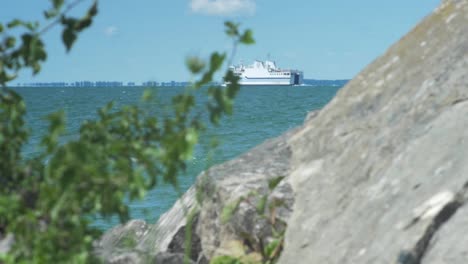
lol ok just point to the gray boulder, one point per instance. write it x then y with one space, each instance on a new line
171 258
139 242
118 244
232 193
380 174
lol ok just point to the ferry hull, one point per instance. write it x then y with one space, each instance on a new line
296 78
264 81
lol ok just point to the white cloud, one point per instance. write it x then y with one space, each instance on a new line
223 7
111 31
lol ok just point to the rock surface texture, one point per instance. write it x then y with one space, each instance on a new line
380 175
244 182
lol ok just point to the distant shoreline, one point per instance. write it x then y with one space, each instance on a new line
102 84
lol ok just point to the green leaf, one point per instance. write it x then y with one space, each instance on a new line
192 136
83 23
56 129
225 260
231 29
57 3
4 77
272 247
247 37
36 68
40 53
216 61
272 183
32 25
87 20
195 64
51 13
10 42
15 23
68 36
93 10
261 204
229 210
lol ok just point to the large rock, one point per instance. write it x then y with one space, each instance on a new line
139 242
231 197
380 174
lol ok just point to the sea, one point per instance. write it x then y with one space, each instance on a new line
260 113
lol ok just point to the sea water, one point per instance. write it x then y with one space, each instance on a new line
260 113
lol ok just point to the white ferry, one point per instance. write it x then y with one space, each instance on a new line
266 73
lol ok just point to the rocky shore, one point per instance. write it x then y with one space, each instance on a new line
380 175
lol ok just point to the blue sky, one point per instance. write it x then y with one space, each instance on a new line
148 40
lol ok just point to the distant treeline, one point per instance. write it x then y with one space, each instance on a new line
325 82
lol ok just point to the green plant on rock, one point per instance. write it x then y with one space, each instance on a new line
47 201
256 250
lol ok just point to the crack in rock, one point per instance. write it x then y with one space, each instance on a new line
460 100
415 255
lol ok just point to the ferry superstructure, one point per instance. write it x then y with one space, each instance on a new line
266 73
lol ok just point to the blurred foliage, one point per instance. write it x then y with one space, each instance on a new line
47 202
